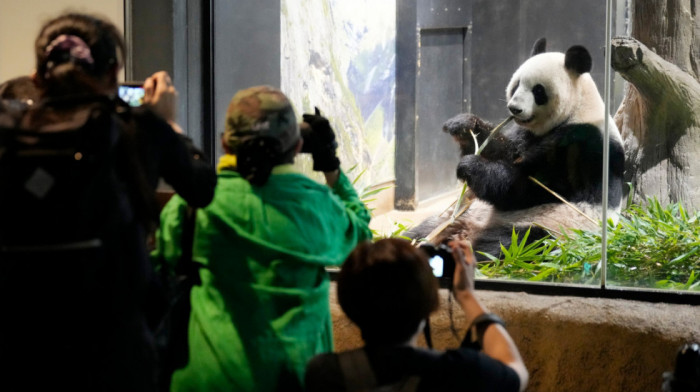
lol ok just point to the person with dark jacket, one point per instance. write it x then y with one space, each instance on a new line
74 270
388 290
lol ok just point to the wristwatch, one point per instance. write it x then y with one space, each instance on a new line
475 334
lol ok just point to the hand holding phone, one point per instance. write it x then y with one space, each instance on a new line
464 268
161 95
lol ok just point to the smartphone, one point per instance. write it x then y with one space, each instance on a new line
132 93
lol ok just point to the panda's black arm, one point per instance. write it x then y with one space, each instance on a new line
500 183
501 147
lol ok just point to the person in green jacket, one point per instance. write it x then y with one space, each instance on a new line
262 309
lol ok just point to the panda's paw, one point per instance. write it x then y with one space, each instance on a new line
464 124
465 128
468 167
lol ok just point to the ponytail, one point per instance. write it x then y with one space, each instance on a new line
256 158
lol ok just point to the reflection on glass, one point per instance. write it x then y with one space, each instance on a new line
343 63
657 242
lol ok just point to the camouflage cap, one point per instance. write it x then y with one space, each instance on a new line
261 111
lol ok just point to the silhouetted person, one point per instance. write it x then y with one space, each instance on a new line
74 271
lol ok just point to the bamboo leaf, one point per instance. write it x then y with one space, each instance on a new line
539 277
374 192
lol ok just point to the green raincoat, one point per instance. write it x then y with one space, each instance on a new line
262 310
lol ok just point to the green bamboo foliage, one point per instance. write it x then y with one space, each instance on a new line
651 246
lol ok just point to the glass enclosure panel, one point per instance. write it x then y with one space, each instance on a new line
498 38
656 243
390 74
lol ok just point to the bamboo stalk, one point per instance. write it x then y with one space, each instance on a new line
548 229
476 142
458 203
493 132
444 224
555 194
448 207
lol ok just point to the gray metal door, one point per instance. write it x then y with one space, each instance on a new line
440 94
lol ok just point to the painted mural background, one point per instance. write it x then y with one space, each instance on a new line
339 56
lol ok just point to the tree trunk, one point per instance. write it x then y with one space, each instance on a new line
659 118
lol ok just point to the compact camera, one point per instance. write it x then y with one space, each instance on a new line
440 260
132 93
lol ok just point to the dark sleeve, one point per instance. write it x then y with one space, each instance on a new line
465 369
188 171
173 157
323 374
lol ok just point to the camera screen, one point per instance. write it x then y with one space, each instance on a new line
132 95
437 264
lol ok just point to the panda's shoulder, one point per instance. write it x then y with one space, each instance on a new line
583 134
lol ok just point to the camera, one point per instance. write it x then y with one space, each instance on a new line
132 93
440 260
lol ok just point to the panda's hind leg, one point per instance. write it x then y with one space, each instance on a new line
424 228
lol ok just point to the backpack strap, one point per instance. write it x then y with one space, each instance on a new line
411 384
357 373
187 241
359 376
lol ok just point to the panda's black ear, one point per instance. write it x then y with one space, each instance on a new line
540 46
578 59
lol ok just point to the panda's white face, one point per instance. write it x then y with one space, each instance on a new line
541 94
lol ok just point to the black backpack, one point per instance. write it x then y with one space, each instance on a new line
73 260
71 226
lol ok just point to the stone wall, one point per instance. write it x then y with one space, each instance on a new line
570 343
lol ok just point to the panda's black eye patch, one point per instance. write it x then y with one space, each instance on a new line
540 94
512 91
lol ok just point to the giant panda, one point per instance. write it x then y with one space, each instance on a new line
556 137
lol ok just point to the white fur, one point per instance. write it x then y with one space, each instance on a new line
573 97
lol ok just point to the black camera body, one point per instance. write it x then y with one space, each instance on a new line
440 259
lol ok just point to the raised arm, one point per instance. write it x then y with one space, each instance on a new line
493 337
176 158
320 142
